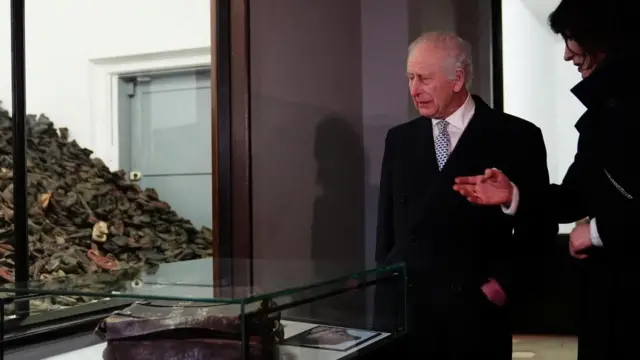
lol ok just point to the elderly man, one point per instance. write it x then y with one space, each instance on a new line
459 256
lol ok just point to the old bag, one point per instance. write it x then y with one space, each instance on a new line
187 330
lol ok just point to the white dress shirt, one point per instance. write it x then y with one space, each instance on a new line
458 121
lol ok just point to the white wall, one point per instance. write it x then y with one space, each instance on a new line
527 60
568 110
64 36
537 80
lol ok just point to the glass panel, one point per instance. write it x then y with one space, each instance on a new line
194 281
324 94
293 318
119 142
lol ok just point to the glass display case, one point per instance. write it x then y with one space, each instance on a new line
179 308
121 182
99 145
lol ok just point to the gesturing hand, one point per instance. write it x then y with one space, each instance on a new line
493 291
491 188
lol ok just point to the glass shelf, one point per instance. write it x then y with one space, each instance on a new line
194 281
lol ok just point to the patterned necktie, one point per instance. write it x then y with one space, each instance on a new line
443 143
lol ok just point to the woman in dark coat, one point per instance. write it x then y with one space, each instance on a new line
602 183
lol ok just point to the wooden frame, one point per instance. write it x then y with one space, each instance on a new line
241 200
231 141
215 163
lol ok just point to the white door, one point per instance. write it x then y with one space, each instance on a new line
169 139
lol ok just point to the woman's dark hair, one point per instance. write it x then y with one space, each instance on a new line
598 26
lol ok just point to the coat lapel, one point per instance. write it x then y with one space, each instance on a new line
472 146
468 157
428 164
421 168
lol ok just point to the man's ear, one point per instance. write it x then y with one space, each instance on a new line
459 80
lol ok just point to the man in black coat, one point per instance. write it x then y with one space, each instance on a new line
460 257
601 183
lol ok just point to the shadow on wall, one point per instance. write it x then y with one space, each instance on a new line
337 245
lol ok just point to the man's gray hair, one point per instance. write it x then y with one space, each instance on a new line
458 50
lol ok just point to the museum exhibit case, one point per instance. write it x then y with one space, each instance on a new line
178 309
108 149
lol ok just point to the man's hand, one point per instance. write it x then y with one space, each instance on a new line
491 188
493 291
580 240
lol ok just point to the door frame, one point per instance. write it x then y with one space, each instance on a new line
104 74
104 77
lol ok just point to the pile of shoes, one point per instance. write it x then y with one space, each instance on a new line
84 218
